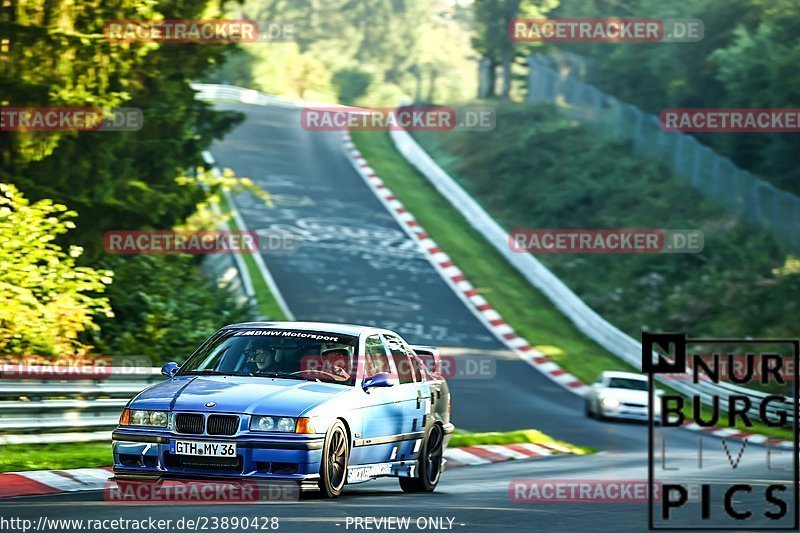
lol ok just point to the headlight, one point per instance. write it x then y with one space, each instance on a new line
148 418
610 402
158 419
286 424
262 423
273 423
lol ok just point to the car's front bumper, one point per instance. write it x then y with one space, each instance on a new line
628 412
146 454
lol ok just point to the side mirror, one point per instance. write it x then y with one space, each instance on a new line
169 369
381 379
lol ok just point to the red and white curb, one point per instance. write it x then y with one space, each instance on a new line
736 434
38 482
498 453
42 482
456 279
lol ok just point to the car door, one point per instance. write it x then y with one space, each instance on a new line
381 408
414 394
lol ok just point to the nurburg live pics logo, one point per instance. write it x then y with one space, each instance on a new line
742 499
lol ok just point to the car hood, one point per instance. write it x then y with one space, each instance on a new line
625 395
237 394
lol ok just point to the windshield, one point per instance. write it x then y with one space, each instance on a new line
278 353
627 383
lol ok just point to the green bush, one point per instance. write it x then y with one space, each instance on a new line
46 300
351 84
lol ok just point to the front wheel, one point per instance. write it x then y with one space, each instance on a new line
429 465
588 409
333 466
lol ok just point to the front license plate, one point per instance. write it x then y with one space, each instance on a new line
210 449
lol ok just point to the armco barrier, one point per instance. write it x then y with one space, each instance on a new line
64 405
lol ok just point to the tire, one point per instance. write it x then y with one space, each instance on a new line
429 466
587 407
599 414
333 465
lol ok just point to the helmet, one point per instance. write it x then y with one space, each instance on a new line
260 352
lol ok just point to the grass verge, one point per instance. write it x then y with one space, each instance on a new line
523 307
520 436
22 457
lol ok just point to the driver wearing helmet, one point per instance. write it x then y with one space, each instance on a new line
336 360
261 358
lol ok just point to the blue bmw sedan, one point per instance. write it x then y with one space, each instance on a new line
320 404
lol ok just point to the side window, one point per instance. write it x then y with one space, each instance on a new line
432 363
405 371
375 359
420 370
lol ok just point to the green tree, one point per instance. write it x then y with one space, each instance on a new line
409 47
493 41
46 301
164 307
351 84
747 58
54 54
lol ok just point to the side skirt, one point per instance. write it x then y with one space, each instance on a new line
362 473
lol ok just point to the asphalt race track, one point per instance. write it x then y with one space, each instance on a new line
354 264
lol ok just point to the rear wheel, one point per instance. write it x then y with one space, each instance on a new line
429 465
333 466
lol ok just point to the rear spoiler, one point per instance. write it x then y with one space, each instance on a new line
430 356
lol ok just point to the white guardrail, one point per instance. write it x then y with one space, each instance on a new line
67 410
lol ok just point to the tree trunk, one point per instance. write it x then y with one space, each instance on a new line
507 61
432 86
487 78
